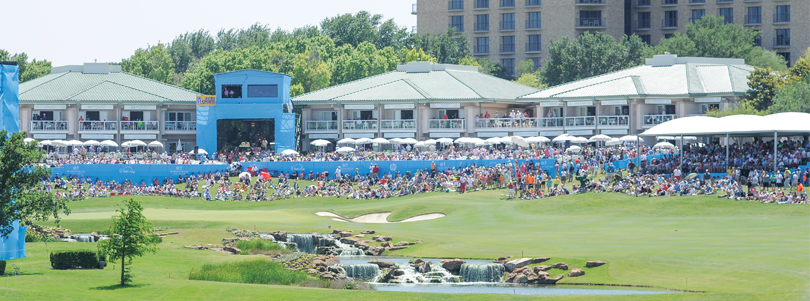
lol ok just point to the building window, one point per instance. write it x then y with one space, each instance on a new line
758 41
643 3
786 55
481 3
481 22
534 43
727 14
508 44
457 22
671 19
668 35
669 2
533 21
645 38
782 14
536 61
508 21
509 64
481 46
456 5
507 3
643 20
782 37
754 15
262 90
178 116
532 2
697 14
231 91
590 18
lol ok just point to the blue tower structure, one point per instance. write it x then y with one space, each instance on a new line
245 100
13 245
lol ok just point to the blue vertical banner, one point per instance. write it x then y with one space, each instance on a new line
13 245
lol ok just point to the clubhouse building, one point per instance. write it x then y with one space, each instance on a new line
420 100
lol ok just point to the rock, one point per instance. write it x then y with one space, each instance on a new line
327 275
519 278
593 264
322 269
540 268
336 231
549 280
368 232
376 237
417 262
313 271
383 264
425 267
383 238
359 236
95 235
516 263
318 262
375 250
345 234
362 246
560 265
416 242
232 250
173 233
279 235
576 273
349 240
501 260
539 259
397 248
452 265
387 244
197 247
402 243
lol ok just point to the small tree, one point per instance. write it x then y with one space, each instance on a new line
135 237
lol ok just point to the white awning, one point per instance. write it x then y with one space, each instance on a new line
787 123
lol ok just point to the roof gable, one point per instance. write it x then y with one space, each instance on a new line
112 87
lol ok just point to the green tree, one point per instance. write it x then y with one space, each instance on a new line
764 82
794 97
348 29
226 40
742 108
589 55
494 69
447 47
531 79
28 70
153 62
469 61
309 73
417 54
802 66
712 37
134 237
21 194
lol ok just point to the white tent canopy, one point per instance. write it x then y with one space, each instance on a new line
345 140
320 142
600 138
409 141
791 122
289 152
155 144
345 149
380 140
109 143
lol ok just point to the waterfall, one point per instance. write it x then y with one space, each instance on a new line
368 272
352 252
83 238
267 236
307 243
481 272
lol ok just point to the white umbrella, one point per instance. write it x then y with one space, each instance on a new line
562 138
91 142
380 140
664 145
74 143
126 144
244 174
445 140
28 140
136 143
289 152
629 138
689 138
665 138
363 141
346 141
534 140
179 146
600 138
429 141
155 144
59 143
320 142
519 141
573 148
46 142
543 139
395 141
200 151
579 140
614 141
109 143
409 141
345 149
463 140
506 140
494 140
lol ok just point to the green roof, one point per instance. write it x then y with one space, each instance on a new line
73 86
421 82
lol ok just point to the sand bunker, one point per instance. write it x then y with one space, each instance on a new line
379 217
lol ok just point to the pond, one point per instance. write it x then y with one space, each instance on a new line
479 288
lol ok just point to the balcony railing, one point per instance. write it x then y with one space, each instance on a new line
402 124
458 26
697 1
643 24
669 2
753 19
49 125
669 23
507 3
481 26
499 123
781 41
360 125
781 18
99 126
180 126
590 22
533 2
481 4
614 121
455 5
139 125
590 2
533 47
456 124
582 121
643 3
554 122
507 48
725 1
507 25
533 24
321 125
481 49
650 120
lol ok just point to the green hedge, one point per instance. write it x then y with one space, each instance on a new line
2 267
74 260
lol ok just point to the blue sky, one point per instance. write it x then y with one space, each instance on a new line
73 32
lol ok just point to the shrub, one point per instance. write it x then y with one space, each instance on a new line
2 267
259 246
257 271
73 260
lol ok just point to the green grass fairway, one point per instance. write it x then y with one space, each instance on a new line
735 250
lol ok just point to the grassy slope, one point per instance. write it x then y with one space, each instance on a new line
736 250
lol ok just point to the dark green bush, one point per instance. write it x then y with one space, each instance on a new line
2 267
74 260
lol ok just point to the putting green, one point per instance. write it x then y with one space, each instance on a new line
733 249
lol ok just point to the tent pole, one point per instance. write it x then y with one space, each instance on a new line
681 153
727 149
638 151
775 140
